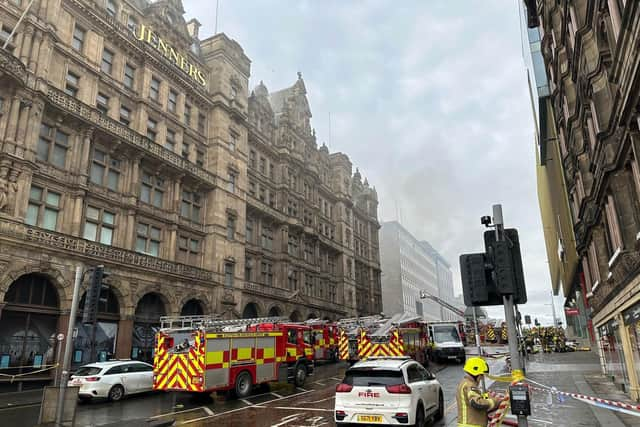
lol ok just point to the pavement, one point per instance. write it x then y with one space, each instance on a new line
576 372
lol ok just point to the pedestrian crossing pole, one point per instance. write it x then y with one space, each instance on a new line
509 313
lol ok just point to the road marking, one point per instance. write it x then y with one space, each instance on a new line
246 402
293 408
20 406
303 389
286 420
207 410
243 408
319 382
540 421
175 412
450 407
336 378
321 400
276 394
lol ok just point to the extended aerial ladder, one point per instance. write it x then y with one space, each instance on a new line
445 304
212 322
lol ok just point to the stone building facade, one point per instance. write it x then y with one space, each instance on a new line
589 150
127 141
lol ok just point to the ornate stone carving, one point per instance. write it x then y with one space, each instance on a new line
11 65
83 247
8 185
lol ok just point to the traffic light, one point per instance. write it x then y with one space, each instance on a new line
505 257
478 287
527 319
92 300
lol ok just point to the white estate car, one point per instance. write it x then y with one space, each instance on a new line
394 390
113 379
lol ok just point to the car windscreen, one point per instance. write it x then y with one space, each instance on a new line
85 371
372 377
446 334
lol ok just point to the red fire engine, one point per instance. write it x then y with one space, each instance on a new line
325 339
199 354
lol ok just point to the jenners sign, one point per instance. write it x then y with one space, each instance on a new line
148 36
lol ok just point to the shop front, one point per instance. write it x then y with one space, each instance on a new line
631 319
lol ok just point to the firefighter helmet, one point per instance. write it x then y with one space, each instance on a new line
476 366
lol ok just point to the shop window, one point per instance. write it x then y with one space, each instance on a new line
148 239
99 225
44 207
105 170
53 145
152 189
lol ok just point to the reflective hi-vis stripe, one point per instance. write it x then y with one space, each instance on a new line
343 346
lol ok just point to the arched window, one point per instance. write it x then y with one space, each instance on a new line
147 322
193 307
90 346
28 323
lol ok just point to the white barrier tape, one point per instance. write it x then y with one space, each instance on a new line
610 403
612 408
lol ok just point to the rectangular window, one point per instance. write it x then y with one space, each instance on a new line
202 121
107 61
593 263
172 101
99 225
129 73
188 250
125 115
233 142
261 194
152 189
52 146
132 24
292 247
170 142
112 8
72 83
252 158
185 150
78 38
248 269
267 238
267 274
187 114
200 158
231 227
43 208
105 170
152 129
102 103
252 188
263 165
190 207
613 224
635 170
154 89
148 239
249 231
293 280
228 274
231 187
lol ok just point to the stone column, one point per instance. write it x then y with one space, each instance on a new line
35 51
25 49
130 229
125 336
33 129
12 123
83 154
23 122
43 58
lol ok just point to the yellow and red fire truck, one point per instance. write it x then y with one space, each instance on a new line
325 339
401 335
200 354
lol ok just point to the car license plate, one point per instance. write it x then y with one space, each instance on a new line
370 418
76 382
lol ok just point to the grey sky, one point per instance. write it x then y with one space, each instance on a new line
428 98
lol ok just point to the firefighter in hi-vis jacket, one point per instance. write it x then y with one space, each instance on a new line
473 405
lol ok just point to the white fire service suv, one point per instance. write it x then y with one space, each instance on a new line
388 390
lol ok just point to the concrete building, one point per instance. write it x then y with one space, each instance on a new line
127 141
584 55
410 266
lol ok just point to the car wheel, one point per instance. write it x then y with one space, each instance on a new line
116 393
243 384
300 375
440 414
420 417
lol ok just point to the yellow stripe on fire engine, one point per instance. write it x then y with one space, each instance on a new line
244 353
291 352
214 357
269 352
244 334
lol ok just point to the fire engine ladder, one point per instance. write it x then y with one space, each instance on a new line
351 325
398 320
212 322
424 294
